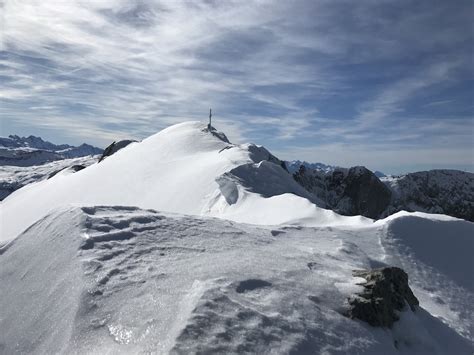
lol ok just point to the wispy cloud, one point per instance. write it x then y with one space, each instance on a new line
285 74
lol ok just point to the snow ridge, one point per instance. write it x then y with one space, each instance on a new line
130 280
180 169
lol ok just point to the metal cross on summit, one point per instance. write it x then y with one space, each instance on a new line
210 118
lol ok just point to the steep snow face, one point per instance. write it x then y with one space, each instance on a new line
128 280
186 169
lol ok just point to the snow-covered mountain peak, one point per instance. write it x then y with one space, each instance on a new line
112 270
186 168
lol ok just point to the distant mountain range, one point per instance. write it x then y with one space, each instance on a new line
294 165
31 150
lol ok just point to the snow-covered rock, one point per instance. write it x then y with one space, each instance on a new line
115 147
358 191
294 165
448 192
385 294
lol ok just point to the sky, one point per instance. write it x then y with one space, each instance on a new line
385 84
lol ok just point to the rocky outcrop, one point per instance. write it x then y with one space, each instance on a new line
73 168
216 133
354 191
115 147
364 194
444 191
358 191
386 293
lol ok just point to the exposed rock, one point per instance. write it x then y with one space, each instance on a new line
365 194
358 191
216 133
74 168
386 292
294 165
444 191
115 147
354 191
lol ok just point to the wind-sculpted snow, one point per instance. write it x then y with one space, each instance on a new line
436 251
180 169
126 280
264 178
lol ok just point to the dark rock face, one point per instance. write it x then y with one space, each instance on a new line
354 191
216 133
442 191
114 148
365 193
358 191
74 168
386 292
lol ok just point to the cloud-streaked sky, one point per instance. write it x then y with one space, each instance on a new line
386 84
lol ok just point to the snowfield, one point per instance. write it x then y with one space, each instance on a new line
13 178
127 280
186 243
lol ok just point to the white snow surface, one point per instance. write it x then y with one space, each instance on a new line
121 280
183 169
15 177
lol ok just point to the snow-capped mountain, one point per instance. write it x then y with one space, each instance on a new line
184 169
187 243
294 165
28 151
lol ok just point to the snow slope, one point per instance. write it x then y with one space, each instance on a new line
128 280
185 169
13 178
